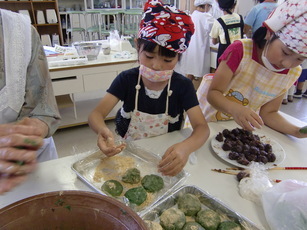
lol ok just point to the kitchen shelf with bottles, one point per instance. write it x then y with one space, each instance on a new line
32 7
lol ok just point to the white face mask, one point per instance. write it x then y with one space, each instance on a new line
266 62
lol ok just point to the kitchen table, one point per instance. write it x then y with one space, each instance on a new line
57 174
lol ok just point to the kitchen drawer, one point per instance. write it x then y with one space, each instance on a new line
97 81
67 85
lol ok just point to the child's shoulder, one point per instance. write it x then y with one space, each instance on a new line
178 80
179 77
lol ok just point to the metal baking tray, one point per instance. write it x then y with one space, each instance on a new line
145 161
207 201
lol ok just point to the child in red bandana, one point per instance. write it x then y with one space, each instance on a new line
154 96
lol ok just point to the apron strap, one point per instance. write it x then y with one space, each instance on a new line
138 87
169 93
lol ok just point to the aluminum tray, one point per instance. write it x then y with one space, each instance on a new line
207 201
145 161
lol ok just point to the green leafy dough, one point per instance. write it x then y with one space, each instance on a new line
192 226
112 187
151 225
172 219
132 176
229 225
136 195
209 219
189 204
152 183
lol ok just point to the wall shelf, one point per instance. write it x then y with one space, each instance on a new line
33 7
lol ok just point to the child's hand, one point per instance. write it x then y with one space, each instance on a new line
247 118
303 132
174 160
108 146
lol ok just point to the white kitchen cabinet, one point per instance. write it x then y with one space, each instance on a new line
78 89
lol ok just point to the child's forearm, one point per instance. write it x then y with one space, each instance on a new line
276 121
96 122
198 137
220 103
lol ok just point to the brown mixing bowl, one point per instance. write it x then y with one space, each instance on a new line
70 210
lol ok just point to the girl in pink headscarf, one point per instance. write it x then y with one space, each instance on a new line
253 75
154 96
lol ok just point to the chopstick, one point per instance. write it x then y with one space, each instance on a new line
235 168
224 171
275 168
289 168
234 173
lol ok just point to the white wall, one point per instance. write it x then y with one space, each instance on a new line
244 6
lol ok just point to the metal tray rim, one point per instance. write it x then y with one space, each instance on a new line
205 193
180 181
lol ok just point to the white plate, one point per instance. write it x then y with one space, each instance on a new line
276 147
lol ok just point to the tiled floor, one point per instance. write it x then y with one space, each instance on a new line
297 108
74 140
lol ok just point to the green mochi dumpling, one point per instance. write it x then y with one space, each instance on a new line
152 183
189 204
132 176
112 187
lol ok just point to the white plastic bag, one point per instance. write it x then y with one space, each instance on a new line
252 187
285 205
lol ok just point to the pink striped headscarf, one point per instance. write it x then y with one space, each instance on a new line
289 22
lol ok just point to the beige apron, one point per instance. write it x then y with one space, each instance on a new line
143 125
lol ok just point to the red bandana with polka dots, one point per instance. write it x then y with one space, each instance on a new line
166 26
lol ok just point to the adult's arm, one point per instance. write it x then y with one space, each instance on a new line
40 103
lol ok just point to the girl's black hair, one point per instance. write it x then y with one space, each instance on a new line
144 45
259 37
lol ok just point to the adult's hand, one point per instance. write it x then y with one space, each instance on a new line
18 145
38 126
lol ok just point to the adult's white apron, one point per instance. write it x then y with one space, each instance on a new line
17 40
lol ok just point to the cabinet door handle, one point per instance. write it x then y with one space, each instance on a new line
64 78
